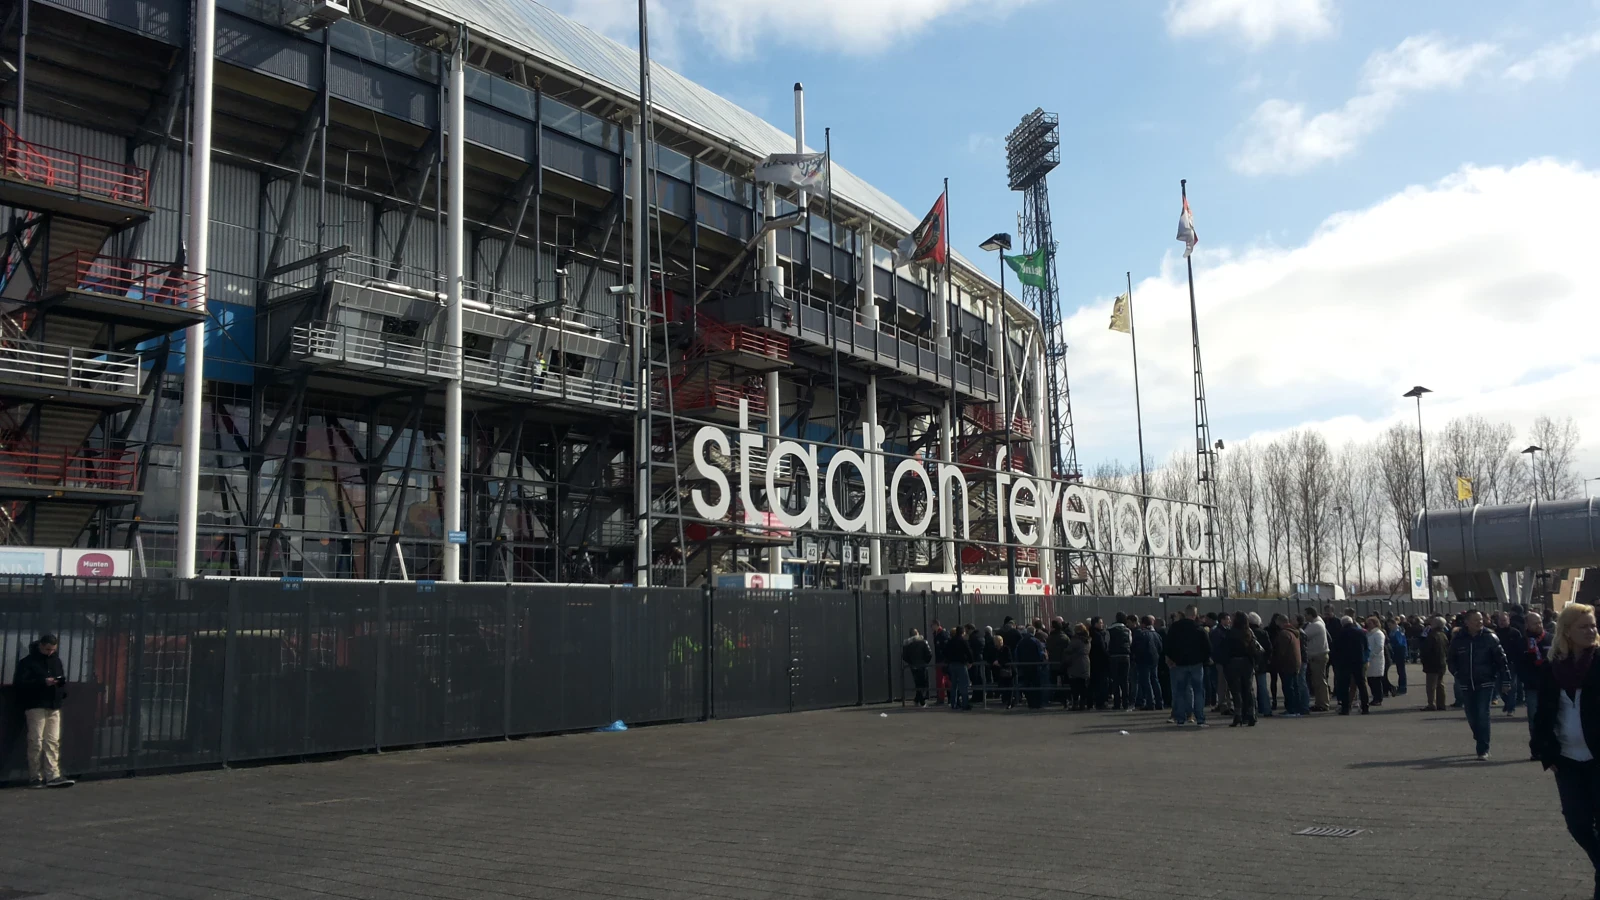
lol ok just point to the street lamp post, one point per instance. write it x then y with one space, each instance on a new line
999 244
1422 461
1222 535
1533 467
1586 486
1338 518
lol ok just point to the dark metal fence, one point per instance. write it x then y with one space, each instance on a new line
167 674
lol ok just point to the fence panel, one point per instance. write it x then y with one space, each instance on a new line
660 666
563 645
750 658
826 653
880 648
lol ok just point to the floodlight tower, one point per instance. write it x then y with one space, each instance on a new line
1033 148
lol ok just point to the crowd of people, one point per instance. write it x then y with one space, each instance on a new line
1236 665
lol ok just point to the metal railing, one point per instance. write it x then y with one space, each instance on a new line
69 467
536 378
133 279
69 368
884 326
334 342
64 170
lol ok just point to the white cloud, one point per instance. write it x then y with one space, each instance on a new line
1279 137
1555 60
736 28
1477 286
1256 22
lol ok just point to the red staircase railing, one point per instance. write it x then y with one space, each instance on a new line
135 279
65 170
69 467
987 419
717 337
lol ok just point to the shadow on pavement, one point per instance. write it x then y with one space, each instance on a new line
1435 762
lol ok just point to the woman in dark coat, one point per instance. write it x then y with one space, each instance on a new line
1566 729
1241 651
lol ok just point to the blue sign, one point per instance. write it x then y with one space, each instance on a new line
456 537
291 582
426 586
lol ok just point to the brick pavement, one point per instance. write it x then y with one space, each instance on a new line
839 804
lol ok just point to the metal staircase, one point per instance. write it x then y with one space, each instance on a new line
70 319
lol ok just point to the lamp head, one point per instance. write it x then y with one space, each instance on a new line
1417 391
1001 241
1220 445
1532 449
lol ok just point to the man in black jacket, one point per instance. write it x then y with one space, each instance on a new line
1478 663
958 656
1099 662
1188 651
41 684
917 655
1119 646
1348 653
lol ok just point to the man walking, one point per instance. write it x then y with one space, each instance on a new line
1510 640
1478 663
1398 652
1531 661
41 684
1314 645
1119 644
1188 652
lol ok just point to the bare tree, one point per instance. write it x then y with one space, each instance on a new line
1400 468
1277 469
1555 475
1313 490
1472 447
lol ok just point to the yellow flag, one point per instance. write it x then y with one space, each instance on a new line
1119 315
1463 488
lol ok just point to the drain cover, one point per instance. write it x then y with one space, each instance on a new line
1329 831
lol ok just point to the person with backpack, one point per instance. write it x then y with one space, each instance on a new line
1435 658
1119 646
1398 651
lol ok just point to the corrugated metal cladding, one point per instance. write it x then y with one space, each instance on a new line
420 259
261 48
75 138
547 34
383 90
164 20
499 131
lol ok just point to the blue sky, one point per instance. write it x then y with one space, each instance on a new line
1427 104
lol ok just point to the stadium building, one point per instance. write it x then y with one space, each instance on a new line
371 178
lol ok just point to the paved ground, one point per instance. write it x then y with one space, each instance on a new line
849 803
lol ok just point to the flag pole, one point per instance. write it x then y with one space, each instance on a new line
833 313
1202 422
1138 418
947 441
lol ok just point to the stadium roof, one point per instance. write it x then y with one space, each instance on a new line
593 57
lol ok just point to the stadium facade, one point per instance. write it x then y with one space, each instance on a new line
342 179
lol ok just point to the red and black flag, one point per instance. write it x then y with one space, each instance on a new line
927 243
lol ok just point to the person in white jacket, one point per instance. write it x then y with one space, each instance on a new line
1377 642
1314 641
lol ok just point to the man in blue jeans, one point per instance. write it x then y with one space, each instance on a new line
1147 653
1478 663
1188 652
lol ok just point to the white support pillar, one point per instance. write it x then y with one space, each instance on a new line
774 425
1041 454
455 216
639 315
877 512
197 259
800 133
947 454
771 271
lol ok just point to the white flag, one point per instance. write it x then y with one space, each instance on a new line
1186 230
797 170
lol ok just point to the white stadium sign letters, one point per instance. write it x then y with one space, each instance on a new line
1091 518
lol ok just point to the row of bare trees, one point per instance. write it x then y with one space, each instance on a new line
1295 510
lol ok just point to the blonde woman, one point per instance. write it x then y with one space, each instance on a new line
1566 728
1376 643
